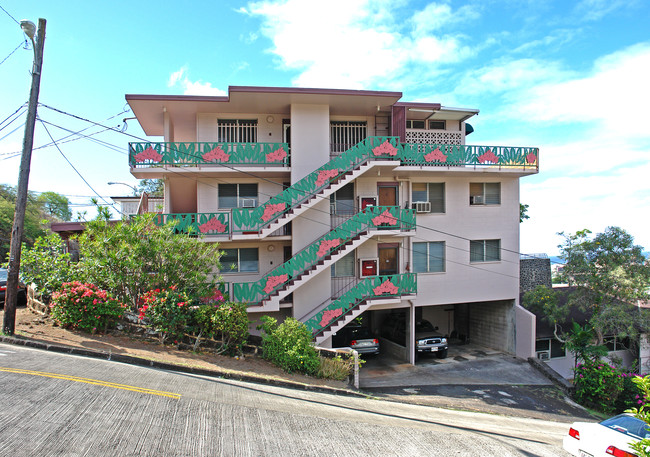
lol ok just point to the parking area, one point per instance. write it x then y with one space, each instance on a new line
466 364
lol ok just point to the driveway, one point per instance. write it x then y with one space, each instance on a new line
473 378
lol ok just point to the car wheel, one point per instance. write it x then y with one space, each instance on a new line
442 354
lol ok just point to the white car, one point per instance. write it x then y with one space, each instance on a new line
609 437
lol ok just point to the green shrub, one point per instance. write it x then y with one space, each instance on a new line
288 345
47 265
168 311
226 322
84 306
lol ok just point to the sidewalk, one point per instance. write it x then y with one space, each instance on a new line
405 384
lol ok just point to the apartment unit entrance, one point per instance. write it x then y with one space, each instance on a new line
388 194
388 258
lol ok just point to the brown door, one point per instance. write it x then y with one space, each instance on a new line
388 256
387 195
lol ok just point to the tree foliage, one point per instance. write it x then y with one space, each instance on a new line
523 212
153 187
130 258
610 276
40 210
47 265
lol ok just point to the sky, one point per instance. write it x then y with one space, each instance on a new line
568 77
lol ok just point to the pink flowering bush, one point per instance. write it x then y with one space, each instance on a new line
84 306
168 311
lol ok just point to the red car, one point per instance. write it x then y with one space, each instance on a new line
22 290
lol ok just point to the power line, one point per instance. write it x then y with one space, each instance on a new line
12 52
75 169
194 176
1 8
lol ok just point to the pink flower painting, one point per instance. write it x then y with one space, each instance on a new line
271 209
385 149
148 154
213 225
276 156
488 156
273 281
531 158
326 245
384 218
435 156
216 154
329 315
325 175
386 287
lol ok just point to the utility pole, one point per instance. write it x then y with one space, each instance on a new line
11 296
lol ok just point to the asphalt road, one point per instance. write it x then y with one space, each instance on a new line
62 405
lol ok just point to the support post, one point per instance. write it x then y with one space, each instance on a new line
11 297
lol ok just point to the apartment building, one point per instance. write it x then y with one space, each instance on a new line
335 206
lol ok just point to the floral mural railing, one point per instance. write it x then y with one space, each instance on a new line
464 155
197 223
255 219
189 154
377 217
369 288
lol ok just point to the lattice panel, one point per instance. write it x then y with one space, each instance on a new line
432 137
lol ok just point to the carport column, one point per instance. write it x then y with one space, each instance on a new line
411 333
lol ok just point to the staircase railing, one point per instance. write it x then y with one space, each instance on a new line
255 219
197 223
369 288
377 217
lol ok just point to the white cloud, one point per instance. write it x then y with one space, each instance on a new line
593 10
180 78
356 43
614 95
593 201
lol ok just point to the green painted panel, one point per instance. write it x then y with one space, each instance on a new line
197 223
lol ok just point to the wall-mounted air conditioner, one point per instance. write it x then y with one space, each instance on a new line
543 355
476 200
248 203
421 207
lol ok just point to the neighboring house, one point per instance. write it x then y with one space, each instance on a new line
535 271
335 204
129 206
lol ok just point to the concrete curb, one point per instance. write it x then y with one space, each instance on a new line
553 375
139 361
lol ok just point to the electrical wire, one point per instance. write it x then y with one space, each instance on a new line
75 169
195 177
1 8
11 53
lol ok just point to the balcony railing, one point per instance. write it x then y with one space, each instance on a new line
367 289
468 155
197 223
190 154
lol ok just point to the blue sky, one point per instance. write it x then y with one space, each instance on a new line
568 77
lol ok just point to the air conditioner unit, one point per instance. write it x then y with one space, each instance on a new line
476 200
248 203
543 355
421 207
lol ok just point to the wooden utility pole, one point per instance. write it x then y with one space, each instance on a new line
11 296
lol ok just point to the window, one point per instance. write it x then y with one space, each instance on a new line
345 134
414 124
237 195
484 250
615 343
344 267
549 348
431 193
437 125
485 193
342 201
429 257
237 130
242 260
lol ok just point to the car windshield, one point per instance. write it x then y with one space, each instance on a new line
360 333
424 326
629 425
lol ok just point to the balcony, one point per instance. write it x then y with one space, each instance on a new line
148 155
197 223
455 155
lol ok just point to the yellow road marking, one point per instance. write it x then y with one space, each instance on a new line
93 382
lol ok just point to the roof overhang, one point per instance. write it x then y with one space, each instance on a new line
424 111
183 109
